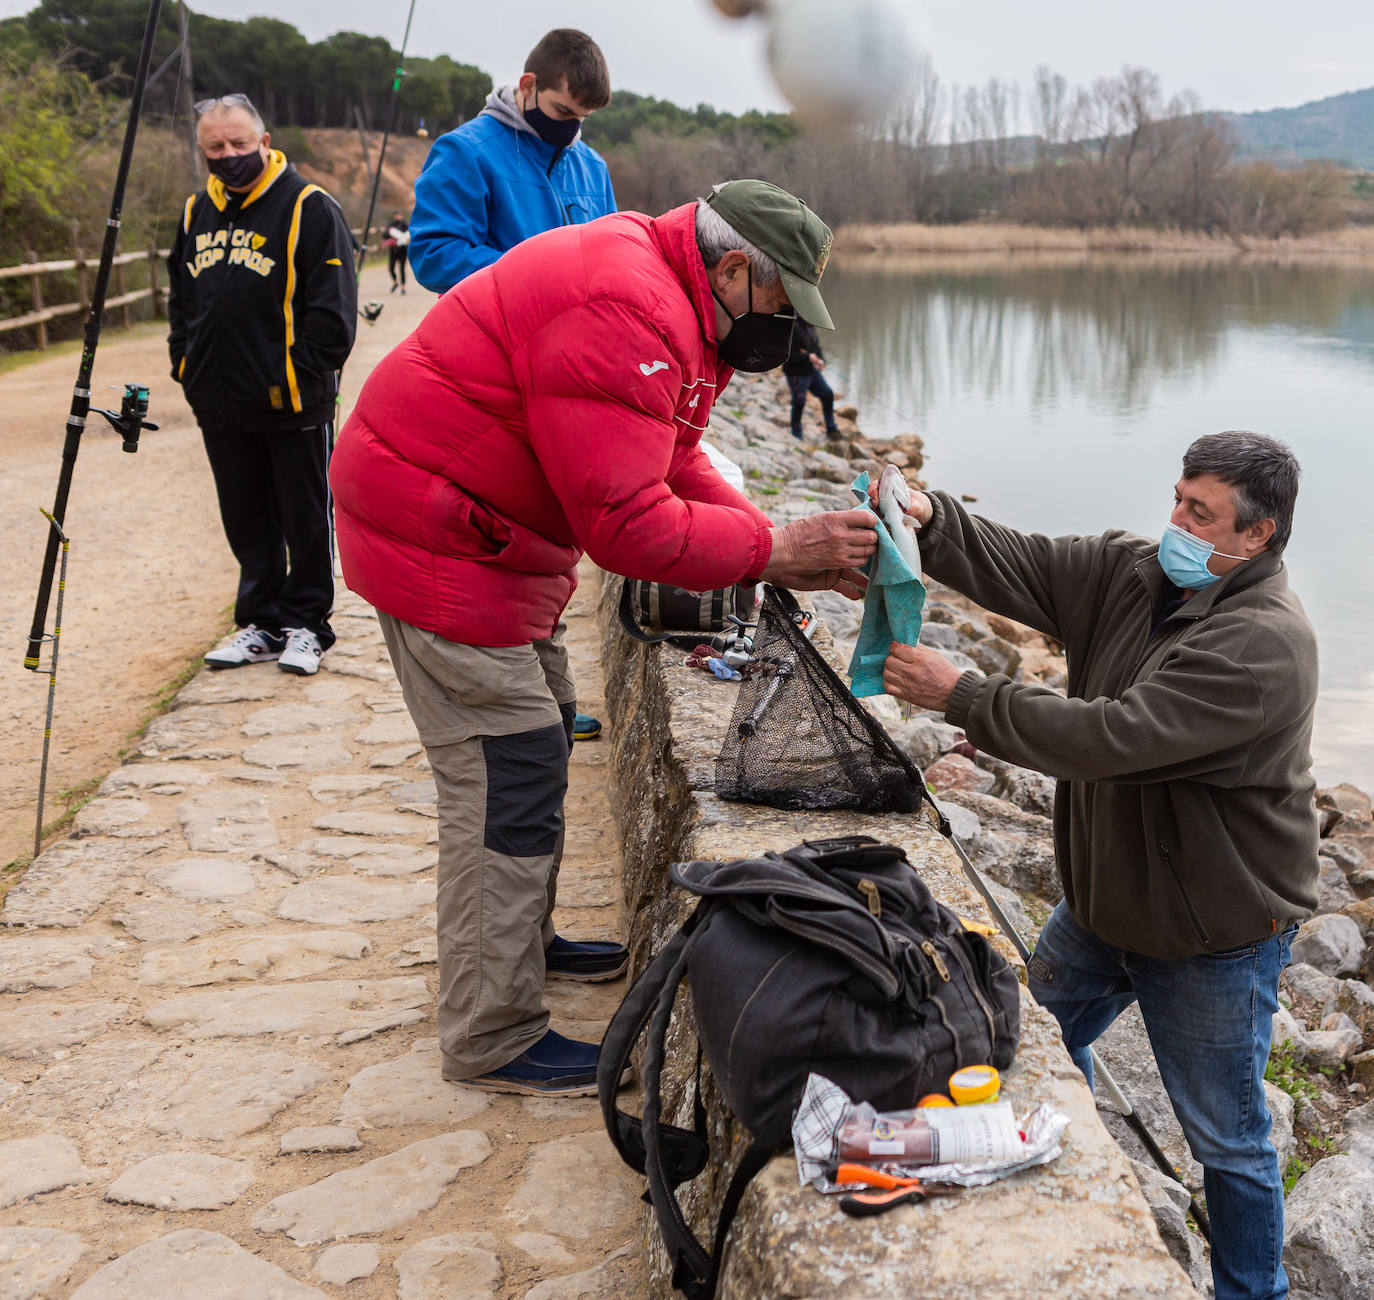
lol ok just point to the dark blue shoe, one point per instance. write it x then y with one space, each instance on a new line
591 962
554 1067
585 726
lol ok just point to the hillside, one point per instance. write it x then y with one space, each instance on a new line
1340 128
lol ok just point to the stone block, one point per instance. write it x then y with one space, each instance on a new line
1333 944
1329 1230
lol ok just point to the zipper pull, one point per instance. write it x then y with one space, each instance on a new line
875 903
930 951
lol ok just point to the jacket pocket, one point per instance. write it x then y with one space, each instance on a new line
453 523
1167 858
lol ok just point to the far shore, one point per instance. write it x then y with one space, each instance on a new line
858 243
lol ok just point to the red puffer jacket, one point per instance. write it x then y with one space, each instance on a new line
549 404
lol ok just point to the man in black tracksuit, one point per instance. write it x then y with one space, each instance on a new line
803 369
263 305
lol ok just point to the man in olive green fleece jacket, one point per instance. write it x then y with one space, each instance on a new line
1184 823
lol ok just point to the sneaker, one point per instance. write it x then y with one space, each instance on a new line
251 646
302 653
554 1067
585 727
589 962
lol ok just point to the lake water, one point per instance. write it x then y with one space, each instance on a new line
1062 396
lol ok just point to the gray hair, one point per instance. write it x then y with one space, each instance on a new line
220 108
1261 472
716 237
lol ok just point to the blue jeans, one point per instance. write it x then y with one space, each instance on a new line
801 385
1209 1022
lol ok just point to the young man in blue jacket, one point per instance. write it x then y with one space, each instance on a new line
517 169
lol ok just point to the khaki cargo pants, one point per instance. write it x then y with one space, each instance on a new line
496 722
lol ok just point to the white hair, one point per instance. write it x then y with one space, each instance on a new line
220 109
716 237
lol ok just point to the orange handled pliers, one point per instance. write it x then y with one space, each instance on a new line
892 1189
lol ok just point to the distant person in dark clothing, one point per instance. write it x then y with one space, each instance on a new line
397 245
803 370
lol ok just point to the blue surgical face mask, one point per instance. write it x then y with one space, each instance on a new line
1183 557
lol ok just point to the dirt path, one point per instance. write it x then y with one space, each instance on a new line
150 579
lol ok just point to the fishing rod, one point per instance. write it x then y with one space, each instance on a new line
1109 1085
129 420
386 135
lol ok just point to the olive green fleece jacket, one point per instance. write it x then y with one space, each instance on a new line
1184 817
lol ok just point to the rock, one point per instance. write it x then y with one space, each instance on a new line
65 884
186 729
1347 855
161 778
425 950
252 956
955 774
443 1268
236 1093
408 1089
1299 980
1333 944
315 1007
31 1166
296 720
311 753
336 900
994 655
1329 1230
614 1279
394 755
349 785
220 687
1355 1000
220 821
340 1265
1168 1202
370 823
38 1031
205 880
375 1025
579 1160
329 1137
70 1091
44 963
1284 1029
1362 913
1362 1070
118 817
1356 1137
543 1249
182 1180
943 637
1328 1049
1352 804
415 792
1333 890
192 1263
1281 1130
376 1196
1030 791
1015 848
924 738
152 921
375 859
389 729
35 1261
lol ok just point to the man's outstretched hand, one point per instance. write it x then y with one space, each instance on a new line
919 675
823 552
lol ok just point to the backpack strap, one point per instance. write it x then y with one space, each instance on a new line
683 1153
637 633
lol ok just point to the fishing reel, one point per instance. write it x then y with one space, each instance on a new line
369 311
736 643
129 420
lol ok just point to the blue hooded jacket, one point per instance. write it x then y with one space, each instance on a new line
492 183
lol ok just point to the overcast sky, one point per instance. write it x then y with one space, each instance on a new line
1237 56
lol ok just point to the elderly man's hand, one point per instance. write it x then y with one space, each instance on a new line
919 675
823 552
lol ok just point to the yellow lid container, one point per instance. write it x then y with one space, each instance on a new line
974 1084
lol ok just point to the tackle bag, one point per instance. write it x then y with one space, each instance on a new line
656 611
832 957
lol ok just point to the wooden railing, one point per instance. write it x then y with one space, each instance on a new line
42 313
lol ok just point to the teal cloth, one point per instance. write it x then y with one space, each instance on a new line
892 605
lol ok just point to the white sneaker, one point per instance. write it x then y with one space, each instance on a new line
302 653
251 646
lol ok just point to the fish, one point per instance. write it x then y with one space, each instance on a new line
894 500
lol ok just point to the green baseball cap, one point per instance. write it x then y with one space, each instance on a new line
789 232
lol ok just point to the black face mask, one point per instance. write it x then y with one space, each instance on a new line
552 130
237 169
757 340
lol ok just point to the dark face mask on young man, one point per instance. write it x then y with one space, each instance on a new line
757 340
558 132
237 169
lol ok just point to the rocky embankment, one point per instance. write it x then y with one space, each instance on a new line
1322 1066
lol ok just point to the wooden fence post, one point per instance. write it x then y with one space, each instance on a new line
159 307
41 328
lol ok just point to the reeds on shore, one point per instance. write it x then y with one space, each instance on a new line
858 242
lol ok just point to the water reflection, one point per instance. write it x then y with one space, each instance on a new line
1062 394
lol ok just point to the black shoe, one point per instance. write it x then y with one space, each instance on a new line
590 962
554 1067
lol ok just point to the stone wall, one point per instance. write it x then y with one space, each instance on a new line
1077 1228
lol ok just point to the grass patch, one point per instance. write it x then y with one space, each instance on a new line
109 333
1294 1170
1284 1071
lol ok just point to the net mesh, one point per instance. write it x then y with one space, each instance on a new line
799 740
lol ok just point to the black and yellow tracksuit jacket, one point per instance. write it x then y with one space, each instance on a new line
262 302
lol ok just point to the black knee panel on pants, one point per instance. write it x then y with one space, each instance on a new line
527 777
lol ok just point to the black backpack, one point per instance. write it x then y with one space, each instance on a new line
831 957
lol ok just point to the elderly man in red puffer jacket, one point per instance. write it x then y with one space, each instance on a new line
549 405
